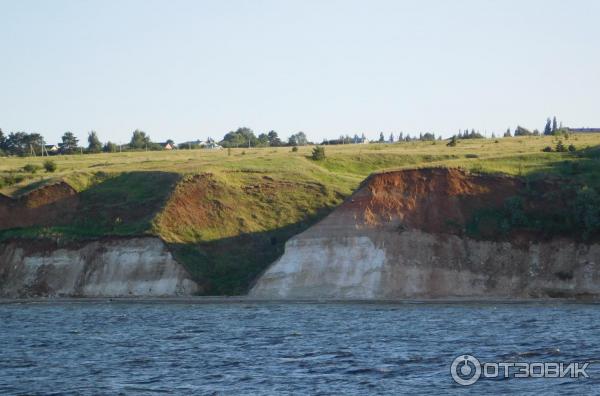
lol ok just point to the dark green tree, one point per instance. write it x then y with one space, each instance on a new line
94 145
381 138
110 147
139 140
548 127
263 140
2 141
274 140
22 143
298 139
69 142
554 125
242 137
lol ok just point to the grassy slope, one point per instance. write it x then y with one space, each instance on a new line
265 195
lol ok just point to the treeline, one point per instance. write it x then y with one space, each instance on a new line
23 143
245 137
552 128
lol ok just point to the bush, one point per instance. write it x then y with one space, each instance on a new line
471 156
560 147
572 148
294 149
50 166
318 153
587 210
452 142
31 168
547 149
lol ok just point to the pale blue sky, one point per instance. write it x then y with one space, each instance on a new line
192 69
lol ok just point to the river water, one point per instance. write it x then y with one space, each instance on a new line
295 348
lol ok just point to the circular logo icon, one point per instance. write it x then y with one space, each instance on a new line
465 370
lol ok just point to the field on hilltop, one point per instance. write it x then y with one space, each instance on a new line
351 163
226 214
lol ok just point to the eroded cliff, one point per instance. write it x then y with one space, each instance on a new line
106 267
406 234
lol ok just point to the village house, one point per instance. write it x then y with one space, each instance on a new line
584 130
51 148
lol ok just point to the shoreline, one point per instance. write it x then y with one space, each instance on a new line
251 300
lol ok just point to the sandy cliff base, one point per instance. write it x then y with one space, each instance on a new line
108 267
414 264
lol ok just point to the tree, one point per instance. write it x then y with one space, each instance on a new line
554 125
109 147
69 142
391 138
381 138
2 141
318 153
507 133
242 137
263 140
94 145
274 140
548 127
452 142
22 143
298 139
139 140
171 142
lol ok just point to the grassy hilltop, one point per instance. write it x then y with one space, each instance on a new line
227 215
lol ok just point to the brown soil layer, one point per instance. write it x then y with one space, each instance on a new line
443 201
49 205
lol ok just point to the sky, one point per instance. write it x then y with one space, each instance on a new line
187 70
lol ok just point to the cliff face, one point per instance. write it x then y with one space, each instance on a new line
106 267
402 236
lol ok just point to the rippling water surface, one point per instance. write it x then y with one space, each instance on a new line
268 348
